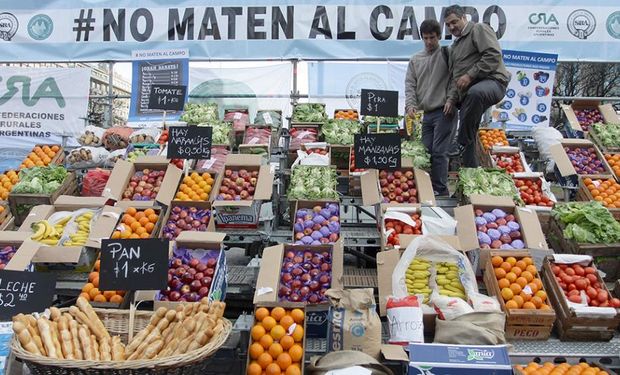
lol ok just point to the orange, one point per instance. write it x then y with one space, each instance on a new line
521 264
92 275
536 301
256 350
528 276
503 283
266 341
131 211
531 269
511 260
286 341
93 292
522 281
130 220
516 288
519 300
145 235
116 235
97 265
126 234
254 369
500 273
277 313
149 212
149 227
139 215
296 352
507 294
261 313
297 315
264 360
542 295
116 298
528 260
516 270
257 332
153 218
496 261
533 287
109 294
284 361
140 231
275 350
526 297
135 225
269 322
143 221
511 276
85 295
100 298
529 306
293 370
298 333
277 332
55 148
506 266
273 369
286 321
511 305
96 282
134 236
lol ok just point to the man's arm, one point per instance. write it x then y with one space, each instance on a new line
411 83
485 40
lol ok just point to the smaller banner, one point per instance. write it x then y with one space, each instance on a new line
159 67
528 97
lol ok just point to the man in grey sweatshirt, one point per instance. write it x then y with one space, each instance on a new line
426 87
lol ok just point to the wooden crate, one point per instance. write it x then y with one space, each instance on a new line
605 254
570 327
5 216
596 140
521 324
69 187
584 195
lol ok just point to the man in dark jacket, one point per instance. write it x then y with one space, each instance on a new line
478 77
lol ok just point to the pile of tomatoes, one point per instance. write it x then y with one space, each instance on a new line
398 227
573 279
531 192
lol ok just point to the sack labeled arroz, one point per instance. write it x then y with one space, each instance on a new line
353 322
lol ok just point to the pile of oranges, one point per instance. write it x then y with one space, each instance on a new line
7 181
346 114
492 137
519 283
614 162
549 368
40 157
91 291
605 191
277 338
195 187
136 224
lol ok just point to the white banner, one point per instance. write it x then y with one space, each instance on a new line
81 30
264 87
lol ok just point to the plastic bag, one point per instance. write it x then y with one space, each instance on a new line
300 136
268 117
147 135
215 163
94 182
545 137
449 308
308 157
117 138
87 157
405 320
92 136
114 156
239 120
257 136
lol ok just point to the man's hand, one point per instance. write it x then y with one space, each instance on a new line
448 109
411 112
463 82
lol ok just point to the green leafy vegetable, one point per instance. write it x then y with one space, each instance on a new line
221 132
313 182
487 181
267 117
608 134
197 113
40 180
309 112
416 151
340 132
587 222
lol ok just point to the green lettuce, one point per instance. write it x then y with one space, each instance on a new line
587 222
488 181
313 182
40 180
340 132
416 151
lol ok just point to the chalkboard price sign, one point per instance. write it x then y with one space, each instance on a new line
189 142
25 292
379 151
379 103
167 97
134 264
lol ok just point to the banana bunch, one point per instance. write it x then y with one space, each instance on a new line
47 233
448 281
416 278
80 237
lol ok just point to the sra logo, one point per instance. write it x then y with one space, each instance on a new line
47 89
546 19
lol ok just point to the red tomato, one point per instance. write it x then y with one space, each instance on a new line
591 277
591 292
555 269
575 298
579 270
570 272
572 288
615 302
590 270
602 296
581 284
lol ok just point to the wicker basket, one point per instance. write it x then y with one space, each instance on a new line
117 323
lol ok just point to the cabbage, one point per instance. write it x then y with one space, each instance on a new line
313 182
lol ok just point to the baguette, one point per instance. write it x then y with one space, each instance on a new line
46 337
154 335
85 307
84 337
25 339
55 335
170 347
82 318
73 328
152 350
137 339
66 340
32 330
118 350
105 350
55 313
95 347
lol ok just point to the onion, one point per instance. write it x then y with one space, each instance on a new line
333 208
325 213
307 240
316 235
298 227
325 231
308 224
301 213
334 227
318 219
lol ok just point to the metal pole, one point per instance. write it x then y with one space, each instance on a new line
295 92
111 92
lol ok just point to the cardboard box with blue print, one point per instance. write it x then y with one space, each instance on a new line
438 359
244 212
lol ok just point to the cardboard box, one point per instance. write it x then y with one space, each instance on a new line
371 191
545 187
196 240
297 205
510 151
268 280
245 213
572 124
123 171
24 249
160 211
566 173
521 324
531 232
201 205
440 359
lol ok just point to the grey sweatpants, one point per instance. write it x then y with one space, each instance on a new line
437 134
479 97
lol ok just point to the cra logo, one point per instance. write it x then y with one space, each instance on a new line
544 18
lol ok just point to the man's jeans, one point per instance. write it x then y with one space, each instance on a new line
437 134
479 98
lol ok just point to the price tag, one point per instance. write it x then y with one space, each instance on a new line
379 103
189 142
167 97
267 118
254 140
25 292
379 151
134 264
237 116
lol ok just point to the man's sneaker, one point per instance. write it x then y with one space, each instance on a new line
445 194
458 152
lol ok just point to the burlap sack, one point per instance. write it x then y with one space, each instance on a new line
482 328
353 321
343 359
